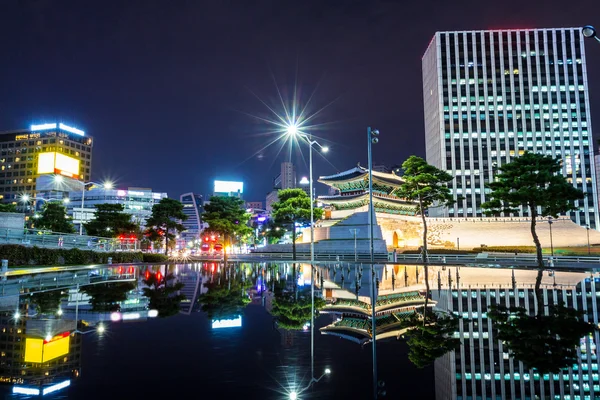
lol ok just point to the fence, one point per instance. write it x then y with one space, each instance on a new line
49 239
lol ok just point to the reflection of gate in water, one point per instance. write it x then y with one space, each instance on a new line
395 240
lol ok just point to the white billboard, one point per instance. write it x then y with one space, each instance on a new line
229 187
227 323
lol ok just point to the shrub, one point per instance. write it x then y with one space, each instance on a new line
440 251
22 255
505 249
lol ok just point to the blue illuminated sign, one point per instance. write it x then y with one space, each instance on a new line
71 129
44 127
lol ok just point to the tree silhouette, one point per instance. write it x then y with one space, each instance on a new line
106 297
433 339
47 302
547 343
163 297
225 298
54 217
165 220
293 311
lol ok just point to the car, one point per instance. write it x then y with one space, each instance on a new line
218 248
205 248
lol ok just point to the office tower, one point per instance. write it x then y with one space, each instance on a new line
381 168
50 148
136 201
193 208
286 178
489 96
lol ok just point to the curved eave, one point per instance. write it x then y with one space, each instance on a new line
364 197
359 173
401 305
342 309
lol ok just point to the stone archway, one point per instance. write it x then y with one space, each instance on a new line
395 240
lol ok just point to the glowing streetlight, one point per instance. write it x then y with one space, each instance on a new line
589 31
293 395
292 129
100 328
25 198
17 315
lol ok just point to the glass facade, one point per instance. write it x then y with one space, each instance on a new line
489 96
19 151
482 367
193 208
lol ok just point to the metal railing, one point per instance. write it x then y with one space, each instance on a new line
57 240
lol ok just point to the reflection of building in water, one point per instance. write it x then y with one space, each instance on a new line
393 313
36 354
482 368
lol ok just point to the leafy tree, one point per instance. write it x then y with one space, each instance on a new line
272 231
4 207
110 220
547 343
163 297
106 297
227 217
164 220
428 187
54 217
47 302
433 339
533 181
292 207
293 313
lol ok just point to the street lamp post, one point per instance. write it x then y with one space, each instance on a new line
590 32
105 185
587 228
551 244
372 138
293 131
294 393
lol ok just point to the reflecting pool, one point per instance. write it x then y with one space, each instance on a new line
244 330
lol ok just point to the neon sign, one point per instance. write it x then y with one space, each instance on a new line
71 129
43 127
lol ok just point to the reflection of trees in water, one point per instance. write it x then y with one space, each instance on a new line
227 293
106 297
293 310
162 295
47 302
546 341
432 338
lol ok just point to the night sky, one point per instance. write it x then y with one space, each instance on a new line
168 89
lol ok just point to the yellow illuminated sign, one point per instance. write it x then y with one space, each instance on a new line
46 163
36 351
58 163
33 350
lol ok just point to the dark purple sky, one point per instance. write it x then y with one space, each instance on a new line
164 86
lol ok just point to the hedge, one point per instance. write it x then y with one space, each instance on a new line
505 249
22 255
440 251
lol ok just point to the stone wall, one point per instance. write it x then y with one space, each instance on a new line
10 220
406 232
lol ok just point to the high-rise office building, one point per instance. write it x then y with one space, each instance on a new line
286 178
489 96
50 148
193 208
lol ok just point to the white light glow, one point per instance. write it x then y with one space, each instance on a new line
324 149
229 187
100 328
130 316
108 185
152 313
304 181
292 129
227 323
58 179
71 129
17 315
56 387
121 193
42 127
328 371
115 316
25 390
293 396
25 197
59 312
48 337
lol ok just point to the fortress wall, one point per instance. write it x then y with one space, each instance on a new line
444 232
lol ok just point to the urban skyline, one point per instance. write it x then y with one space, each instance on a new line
126 93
